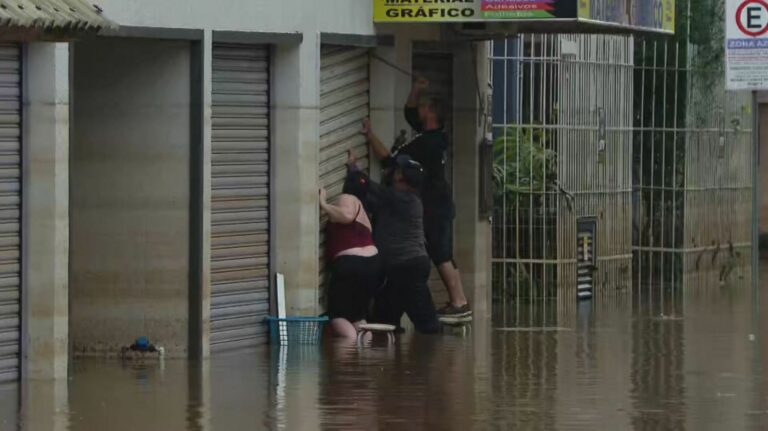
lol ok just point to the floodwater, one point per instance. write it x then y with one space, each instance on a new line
696 361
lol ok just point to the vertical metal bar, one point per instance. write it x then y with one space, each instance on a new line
545 138
653 163
674 171
641 184
663 166
531 120
518 138
548 68
504 209
686 145
755 196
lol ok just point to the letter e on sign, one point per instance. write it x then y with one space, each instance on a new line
752 17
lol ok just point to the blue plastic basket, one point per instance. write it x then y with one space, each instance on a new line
296 330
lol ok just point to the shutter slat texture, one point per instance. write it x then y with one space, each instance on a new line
240 197
344 104
10 210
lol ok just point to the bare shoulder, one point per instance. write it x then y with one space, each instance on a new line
346 200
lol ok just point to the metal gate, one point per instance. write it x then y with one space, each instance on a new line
240 196
692 164
639 132
344 103
10 210
562 150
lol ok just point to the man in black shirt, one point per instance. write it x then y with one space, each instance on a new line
429 148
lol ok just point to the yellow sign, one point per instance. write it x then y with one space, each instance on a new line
423 11
652 15
584 8
669 15
461 10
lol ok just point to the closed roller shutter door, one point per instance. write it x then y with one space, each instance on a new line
240 196
344 103
10 209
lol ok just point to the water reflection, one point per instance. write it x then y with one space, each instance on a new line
9 406
658 363
642 361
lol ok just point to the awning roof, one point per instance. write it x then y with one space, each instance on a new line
54 15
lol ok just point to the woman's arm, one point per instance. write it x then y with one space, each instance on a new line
344 211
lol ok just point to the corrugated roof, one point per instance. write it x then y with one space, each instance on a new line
53 14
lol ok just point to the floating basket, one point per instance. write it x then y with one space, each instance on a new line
296 330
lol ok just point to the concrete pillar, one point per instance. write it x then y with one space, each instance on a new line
472 232
45 405
296 222
202 329
46 211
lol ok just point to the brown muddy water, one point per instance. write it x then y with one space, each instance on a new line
696 361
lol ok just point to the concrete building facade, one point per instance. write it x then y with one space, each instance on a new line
169 169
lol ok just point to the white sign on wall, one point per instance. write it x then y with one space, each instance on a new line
746 44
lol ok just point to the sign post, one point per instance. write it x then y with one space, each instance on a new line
746 53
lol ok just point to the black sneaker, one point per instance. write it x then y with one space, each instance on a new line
452 311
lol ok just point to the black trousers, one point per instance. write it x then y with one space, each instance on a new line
354 280
406 291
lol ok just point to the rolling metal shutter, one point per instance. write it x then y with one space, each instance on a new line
10 211
344 103
240 196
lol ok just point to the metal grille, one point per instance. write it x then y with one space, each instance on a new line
344 103
692 163
648 141
240 196
10 210
562 150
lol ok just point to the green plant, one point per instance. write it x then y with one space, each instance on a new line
522 164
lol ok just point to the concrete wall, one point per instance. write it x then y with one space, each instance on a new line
130 194
336 16
296 130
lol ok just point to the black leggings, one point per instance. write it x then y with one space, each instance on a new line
354 279
406 291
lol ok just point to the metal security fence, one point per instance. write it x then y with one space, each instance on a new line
692 160
562 151
619 162
658 160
